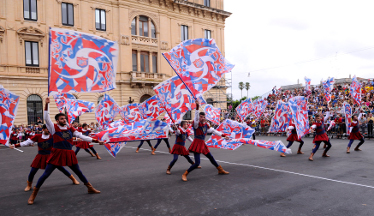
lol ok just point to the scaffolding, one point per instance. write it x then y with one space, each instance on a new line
217 96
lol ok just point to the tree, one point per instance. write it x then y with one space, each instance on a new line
256 97
241 87
247 87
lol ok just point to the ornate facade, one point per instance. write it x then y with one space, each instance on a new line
143 28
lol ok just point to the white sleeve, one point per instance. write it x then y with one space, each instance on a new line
177 132
26 143
189 138
171 130
48 122
214 131
313 126
83 137
327 116
196 120
290 128
359 117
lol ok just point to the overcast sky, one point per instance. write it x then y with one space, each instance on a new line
279 42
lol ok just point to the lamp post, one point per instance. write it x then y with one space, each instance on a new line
130 101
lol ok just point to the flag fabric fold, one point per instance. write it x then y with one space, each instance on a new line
245 108
235 131
106 111
81 62
259 107
212 114
114 148
151 108
60 100
130 113
281 119
355 90
348 117
75 108
299 113
272 145
8 111
308 90
328 85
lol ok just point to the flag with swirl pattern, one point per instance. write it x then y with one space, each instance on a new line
175 98
199 63
141 130
244 109
281 119
60 100
130 113
81 62
75 108
272 145
259 107
106 111
116 124
212 114
151 108
308 90
355 90
232 129
114 148
299 113
8 111
348 117
328 85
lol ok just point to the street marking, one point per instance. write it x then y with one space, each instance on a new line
275 170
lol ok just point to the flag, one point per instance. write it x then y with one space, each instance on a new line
348 117
141 130
168 119
332 124
212 114
356 90
60 100
130 113
116 124
259 107
299 113
81 62
75 108
106 111
281 118
151 108
8 111
308 90
199 64
328 85
272 145
235 131
114 148
175 98
244 109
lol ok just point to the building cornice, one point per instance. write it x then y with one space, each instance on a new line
202 7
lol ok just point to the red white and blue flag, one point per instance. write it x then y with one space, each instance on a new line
235 131
245 108
8 110
106 111
75 108
81 62
151 108
130 113
299 112
272 145
328 85
356 90
60 100
114 148
259 107
308 90
212 114
281 118
348 117
199 63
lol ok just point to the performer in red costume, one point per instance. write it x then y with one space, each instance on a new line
321 135
45 143
355 133
292 138
198 146
62 153
86 145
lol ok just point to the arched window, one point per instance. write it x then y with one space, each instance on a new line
144 98
146 27
209 101
99 99
34 109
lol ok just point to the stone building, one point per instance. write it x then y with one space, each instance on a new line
143 28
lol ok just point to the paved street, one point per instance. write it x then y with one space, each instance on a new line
260 183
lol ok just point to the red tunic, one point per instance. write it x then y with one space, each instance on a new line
320 133
355 134
293 136
84 144
44 150
198 144
180 141
62 153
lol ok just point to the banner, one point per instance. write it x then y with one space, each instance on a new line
151 108
328 85
245 108
60 100
114 148
130 113
272 145
212 114
308 89
8 111
355 90
348 117
106 111
81 62
259 107
299 112
75 108
236 133
199 64
281 118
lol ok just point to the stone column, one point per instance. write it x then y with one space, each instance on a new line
150 63
138 59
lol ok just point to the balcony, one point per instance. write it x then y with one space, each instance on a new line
144 40
142 78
